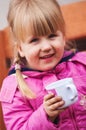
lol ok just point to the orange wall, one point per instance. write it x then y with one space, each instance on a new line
6 51
3 69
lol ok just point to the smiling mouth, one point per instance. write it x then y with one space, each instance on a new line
47 56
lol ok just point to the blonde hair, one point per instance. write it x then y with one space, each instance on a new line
35 17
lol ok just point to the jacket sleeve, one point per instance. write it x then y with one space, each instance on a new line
19 115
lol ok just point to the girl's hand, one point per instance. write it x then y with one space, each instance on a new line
51 104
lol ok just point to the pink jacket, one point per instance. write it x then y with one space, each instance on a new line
28 114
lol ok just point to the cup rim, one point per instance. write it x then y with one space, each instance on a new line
50 86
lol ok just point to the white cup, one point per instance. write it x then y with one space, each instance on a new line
66 89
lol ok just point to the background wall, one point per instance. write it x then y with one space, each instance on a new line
4 4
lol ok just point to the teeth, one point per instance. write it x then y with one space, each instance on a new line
47 56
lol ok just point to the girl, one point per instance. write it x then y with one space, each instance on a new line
41 58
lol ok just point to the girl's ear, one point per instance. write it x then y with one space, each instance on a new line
20 50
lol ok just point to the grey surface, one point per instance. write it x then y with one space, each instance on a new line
3 13
62 2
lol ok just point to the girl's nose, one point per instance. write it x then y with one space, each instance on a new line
46 46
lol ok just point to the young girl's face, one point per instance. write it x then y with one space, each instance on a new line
43 52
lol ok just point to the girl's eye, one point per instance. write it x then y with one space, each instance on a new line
34 40
52 35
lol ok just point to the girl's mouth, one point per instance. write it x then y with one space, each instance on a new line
47 56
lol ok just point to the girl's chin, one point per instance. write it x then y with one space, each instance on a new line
47 68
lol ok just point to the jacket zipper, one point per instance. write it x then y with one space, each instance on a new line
72 114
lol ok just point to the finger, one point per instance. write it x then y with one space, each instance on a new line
56 105
53 100
48 96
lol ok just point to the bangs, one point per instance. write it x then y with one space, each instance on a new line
37 21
